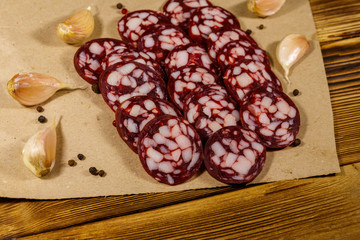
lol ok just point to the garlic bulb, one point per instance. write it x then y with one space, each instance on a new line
34 88
39 151
77 28
290 50
264 8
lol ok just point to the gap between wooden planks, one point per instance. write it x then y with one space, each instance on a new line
313 208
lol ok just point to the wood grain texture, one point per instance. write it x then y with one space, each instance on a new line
26 217
300 209
314 208
338 27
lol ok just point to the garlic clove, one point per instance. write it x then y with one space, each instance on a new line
34 88
290 50
77 28
39 151
264 8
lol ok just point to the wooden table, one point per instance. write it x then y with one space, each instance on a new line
315 208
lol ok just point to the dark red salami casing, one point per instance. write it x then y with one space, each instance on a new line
135 112
206 20
88 58
170 150
132 26
180 11
272 115
127 79
234 155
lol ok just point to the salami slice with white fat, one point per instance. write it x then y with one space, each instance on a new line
186 55
159 40
246 75
134 24
88 58
235 51
234 155
140 57
272 115
127 79
134 113
185 80
209 108
218 39
170 150
180 11
206 20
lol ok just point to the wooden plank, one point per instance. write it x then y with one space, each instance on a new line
337 20
315 208
25 217
338 28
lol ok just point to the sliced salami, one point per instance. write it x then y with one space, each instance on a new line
180 11
127 79
206 20
186 55
209 108
218 39
170 150
246 75
159 40
237 50
134 24
234 155
140 57
185 80
272 115
134 113
88 58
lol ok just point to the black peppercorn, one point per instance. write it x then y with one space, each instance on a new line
42 119
296 92
296 143
102 173
95 88
261 26
93 171
248 32
39 109
72 162
81 156
119 6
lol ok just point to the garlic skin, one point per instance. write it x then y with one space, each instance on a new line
264 8
77 28
33 88
290 50
39 151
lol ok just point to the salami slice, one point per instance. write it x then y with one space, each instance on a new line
134 24
272 115
134 113
180 11
209 108
127 79
159 40
234 155
140 57
185 80
237 50
218 39
88 58
206 20
170 150
246 75
186 55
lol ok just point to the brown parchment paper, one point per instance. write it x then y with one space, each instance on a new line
28 42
